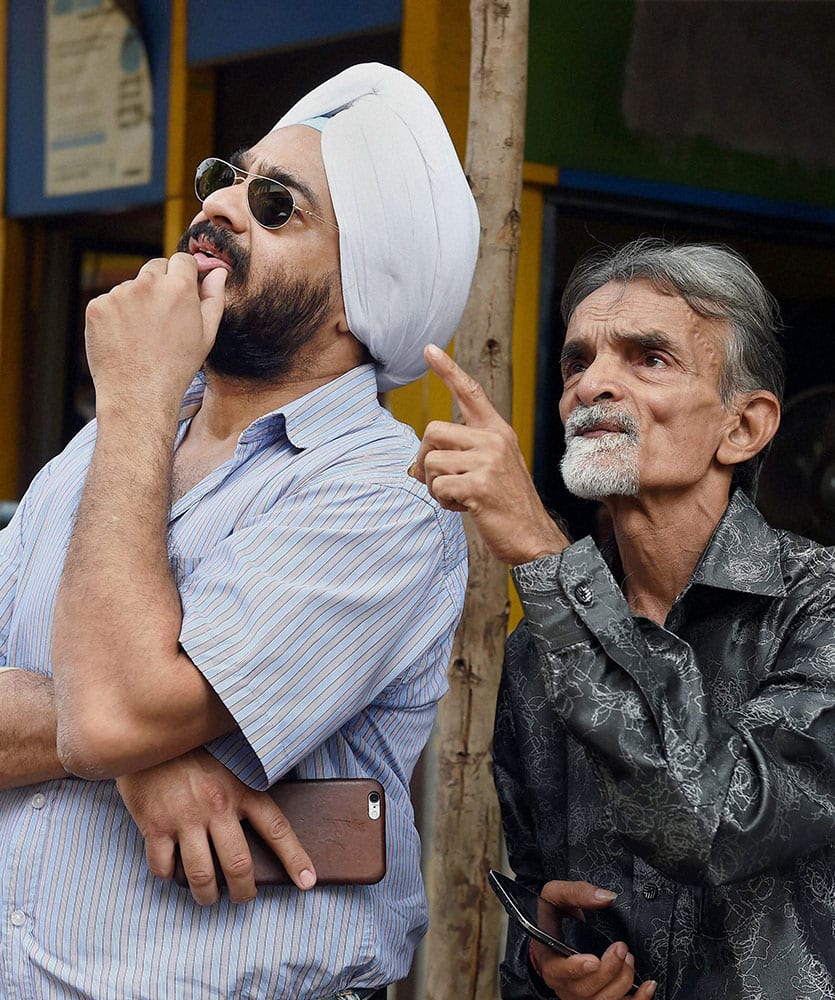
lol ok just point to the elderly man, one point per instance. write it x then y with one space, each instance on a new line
665 733
236 560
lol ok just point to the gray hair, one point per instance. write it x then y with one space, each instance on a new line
716 283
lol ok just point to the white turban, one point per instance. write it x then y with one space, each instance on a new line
408 226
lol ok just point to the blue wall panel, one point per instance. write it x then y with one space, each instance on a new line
220 29
25 135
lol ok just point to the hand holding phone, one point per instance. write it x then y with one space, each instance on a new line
565 931
340 822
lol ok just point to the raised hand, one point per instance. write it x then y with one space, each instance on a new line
147 337
478 467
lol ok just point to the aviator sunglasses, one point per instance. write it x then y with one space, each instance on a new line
270 203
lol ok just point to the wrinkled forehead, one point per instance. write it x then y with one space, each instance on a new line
635 317
636 307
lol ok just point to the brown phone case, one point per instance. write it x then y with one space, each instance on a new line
341 823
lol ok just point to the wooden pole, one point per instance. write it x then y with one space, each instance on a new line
463 940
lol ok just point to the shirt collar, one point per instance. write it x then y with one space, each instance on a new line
744 552
349 400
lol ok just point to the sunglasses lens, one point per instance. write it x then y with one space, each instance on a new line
211 176
271 203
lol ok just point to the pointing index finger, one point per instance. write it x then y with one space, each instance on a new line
476 408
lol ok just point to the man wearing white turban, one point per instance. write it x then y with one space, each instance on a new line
228 578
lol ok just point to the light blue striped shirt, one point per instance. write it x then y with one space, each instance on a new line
321 587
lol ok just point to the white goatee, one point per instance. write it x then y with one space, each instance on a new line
605 466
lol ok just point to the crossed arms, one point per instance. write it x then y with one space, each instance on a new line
188 801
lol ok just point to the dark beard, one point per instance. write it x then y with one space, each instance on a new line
262 333
260 337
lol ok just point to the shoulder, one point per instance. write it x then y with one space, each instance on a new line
805 563
368 463
809 605
56 488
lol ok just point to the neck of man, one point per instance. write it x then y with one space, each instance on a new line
231 404
660 539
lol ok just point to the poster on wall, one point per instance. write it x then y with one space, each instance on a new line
99 98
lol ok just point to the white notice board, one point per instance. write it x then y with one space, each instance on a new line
99 99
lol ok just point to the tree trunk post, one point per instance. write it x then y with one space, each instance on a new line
463 941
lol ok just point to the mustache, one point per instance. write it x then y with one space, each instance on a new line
585 418
223 241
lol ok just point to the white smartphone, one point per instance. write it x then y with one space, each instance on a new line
546 922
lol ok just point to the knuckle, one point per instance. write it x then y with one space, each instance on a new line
510 435
278 827
217 797
432 465
156 866
94 308
294 861
472 388
156 822
200 878
240 865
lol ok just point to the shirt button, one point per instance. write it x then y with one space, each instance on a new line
18 918
650 891
38 801
584 594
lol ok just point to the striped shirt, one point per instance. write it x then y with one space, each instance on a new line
321 587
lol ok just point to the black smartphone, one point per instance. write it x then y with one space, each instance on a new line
541 919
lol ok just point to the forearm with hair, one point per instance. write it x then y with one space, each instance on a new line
128 697
28 727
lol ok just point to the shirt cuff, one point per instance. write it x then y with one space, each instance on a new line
569 597
548 609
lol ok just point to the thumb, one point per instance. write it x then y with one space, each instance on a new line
577 895
213 299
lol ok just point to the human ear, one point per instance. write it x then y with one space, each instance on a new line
342 322
756 419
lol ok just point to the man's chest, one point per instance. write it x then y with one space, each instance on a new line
735 638
194 464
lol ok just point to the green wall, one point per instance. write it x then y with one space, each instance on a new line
578 54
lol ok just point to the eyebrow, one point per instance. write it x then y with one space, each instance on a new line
645 340
241 157
571 352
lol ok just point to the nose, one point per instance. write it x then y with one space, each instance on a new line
600 381
227 206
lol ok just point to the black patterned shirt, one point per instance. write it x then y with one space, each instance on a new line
690 768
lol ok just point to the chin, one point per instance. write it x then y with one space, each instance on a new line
595 471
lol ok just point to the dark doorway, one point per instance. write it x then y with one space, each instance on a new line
253 93
74 257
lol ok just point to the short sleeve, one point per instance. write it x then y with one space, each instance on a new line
304 617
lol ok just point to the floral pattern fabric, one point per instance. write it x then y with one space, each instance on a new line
690 768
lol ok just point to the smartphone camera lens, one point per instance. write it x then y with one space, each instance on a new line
374 798
375 805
